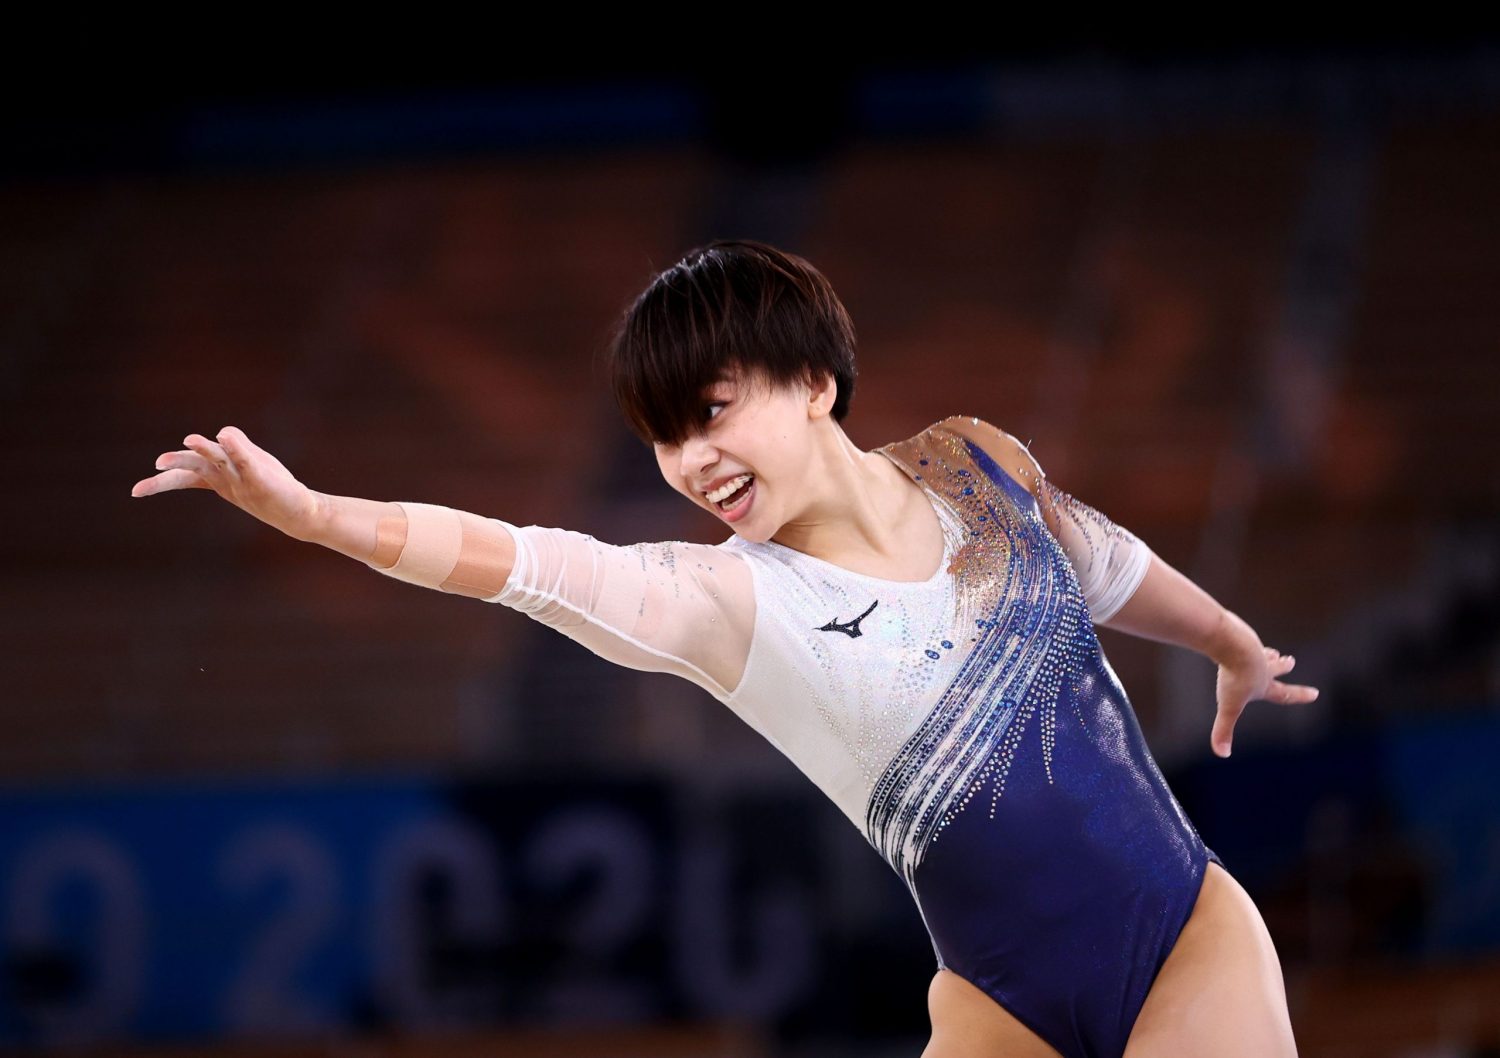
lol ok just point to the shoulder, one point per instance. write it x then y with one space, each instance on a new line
772 570
737 551
748 553
1005 448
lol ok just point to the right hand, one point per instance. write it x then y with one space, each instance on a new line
239 471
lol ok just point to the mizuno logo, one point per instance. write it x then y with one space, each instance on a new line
850 629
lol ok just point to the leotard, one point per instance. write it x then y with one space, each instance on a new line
969 725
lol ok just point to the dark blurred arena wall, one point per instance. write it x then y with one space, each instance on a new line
1246 308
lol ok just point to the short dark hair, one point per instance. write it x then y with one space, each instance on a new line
730 306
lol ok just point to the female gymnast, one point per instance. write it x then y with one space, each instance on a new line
913 627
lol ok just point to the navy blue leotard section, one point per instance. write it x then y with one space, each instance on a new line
1065 904
1062 899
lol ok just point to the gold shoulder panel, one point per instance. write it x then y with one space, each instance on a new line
1004 448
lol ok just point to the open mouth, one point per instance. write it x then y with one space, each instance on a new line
738 498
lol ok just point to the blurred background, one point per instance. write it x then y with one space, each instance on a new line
260 800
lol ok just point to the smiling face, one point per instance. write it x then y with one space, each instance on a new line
750 428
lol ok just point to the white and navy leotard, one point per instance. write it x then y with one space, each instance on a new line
969 725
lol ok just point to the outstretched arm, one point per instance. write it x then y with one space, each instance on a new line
1169 608
672 606
665 606
1129 588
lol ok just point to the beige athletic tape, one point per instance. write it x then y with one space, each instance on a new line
434 539
481 569
390 538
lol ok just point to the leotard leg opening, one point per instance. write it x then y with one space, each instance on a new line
1039 1025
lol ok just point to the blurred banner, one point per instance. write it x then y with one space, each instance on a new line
180 910
177 910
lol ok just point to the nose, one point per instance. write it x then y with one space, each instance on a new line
697 454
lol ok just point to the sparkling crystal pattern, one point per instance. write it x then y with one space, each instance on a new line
1018 597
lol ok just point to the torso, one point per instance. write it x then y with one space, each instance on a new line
973 730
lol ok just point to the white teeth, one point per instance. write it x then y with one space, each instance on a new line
728 487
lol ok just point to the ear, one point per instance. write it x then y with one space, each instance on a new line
822 392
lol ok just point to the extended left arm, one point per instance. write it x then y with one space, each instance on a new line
1169 608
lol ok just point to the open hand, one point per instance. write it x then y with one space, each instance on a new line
239 471
1253 678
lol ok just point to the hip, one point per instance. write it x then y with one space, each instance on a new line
1221 981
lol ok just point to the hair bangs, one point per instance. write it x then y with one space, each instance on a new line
729 309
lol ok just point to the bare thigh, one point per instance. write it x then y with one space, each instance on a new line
1220 990
967 1023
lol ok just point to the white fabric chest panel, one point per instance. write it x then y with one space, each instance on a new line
839 704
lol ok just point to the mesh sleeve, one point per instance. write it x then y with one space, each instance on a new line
1109 559
669 606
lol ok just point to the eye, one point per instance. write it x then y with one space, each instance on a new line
715 404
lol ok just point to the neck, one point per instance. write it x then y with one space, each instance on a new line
855 504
